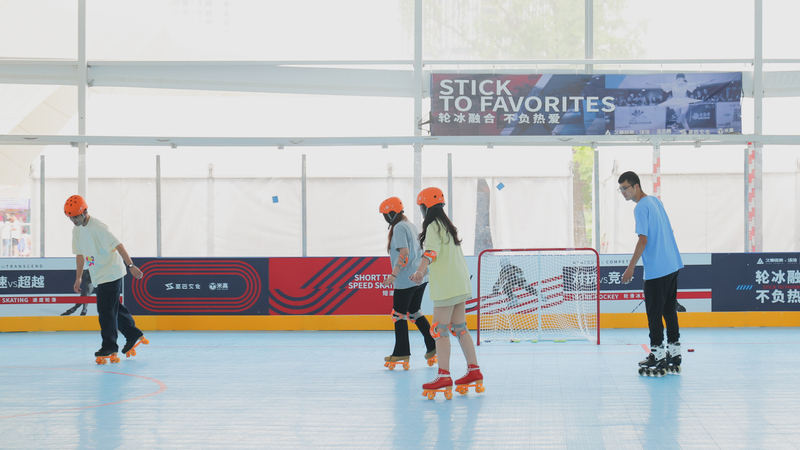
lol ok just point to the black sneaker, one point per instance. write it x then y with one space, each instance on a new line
104 352
83 310
129 345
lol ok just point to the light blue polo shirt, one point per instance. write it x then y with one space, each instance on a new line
661 256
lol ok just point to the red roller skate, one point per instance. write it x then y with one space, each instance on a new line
473 378
442 383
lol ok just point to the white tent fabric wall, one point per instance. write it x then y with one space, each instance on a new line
703 193
246 221
532 212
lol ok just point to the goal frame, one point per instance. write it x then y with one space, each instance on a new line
597 292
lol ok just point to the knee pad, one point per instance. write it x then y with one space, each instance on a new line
435 334
397 316
414 316
458 329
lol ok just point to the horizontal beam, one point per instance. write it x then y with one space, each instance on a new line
394 78
283 142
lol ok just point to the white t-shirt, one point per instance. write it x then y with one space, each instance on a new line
16 229
98 247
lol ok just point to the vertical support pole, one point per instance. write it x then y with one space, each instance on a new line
450 186
210 213
596 203
657 170
417 104
158 206
758 205
82 84
304 194
758 69
588 33
41 207
752 198
796 246
758 97
748 200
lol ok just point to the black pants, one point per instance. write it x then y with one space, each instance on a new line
405 301
660 299
112 314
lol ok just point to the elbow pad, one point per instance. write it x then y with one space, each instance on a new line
431 255
402 261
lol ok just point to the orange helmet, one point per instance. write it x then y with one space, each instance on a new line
391 204
75 206
430 197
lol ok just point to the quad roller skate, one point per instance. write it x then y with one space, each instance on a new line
105 357
130 347
655 365
674 358
473 378
431 358
392 361
442 383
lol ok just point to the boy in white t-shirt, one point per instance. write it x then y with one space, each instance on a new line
105 257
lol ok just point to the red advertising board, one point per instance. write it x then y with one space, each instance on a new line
340 286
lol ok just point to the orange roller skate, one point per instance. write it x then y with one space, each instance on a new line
442 383
130 347
473 378
106 356
392 361
431 357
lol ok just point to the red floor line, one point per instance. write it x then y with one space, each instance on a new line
161 384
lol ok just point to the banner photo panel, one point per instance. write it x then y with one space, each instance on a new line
583 104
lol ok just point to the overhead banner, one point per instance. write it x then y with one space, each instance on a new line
563 105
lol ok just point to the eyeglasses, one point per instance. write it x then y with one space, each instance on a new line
622 189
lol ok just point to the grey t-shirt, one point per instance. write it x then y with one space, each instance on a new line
405 236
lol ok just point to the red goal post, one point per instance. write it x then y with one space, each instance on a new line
538 294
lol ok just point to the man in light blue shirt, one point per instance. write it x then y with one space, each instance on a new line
662 261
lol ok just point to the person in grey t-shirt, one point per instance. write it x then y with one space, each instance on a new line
405 256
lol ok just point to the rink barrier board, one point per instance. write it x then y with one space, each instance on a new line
372 322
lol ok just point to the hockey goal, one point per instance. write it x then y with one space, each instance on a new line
538 294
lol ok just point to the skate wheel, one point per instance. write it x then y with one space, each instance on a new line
448 395
406 366
390 365
642 372
99 360
479 388
677 369
431 395
462 390
145 341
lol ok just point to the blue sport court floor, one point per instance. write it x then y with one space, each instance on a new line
739 389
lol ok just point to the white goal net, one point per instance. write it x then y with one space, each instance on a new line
538 294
